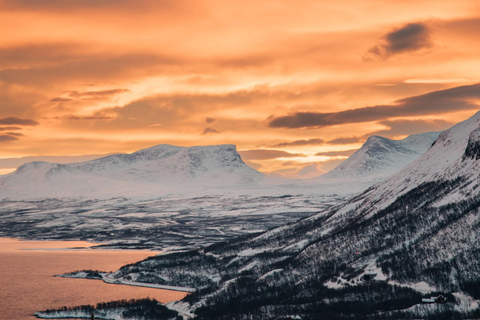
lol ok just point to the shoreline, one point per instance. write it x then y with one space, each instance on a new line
108 278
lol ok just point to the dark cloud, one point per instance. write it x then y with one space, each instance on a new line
33 55
96 94
7 138
437 102
267 154
296 143
89 95
346 140
62 6
337 153
210 120
18 121
84 66
10 128
210 131
14 134
410 37
172 110
408 127
73 117
60 99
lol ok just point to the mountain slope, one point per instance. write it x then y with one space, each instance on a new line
153 171
380 157
420 228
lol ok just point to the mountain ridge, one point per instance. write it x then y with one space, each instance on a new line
380 157
420 227
163 168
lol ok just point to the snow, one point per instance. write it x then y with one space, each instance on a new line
170 171
269 273
380 157
465 302
112 278
422 286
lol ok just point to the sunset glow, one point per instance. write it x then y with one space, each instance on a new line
309 79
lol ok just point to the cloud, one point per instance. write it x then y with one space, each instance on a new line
59 5
436 102
60 99
346 153
73 117
89 95
8 137
410 37
267 154
210 120
14 134
96 94
210 131
18 121
408 127
82 66
296 143
346 140
10 128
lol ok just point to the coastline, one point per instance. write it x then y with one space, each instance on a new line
110 279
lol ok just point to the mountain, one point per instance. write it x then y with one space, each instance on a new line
154 171
381 157
372 257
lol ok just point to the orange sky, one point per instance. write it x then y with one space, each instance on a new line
296 85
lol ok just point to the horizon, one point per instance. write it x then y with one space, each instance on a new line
301 86
9 165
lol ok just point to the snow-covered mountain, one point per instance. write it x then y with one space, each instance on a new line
381 157
415 233
154 171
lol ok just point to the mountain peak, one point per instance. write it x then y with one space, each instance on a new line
380 157
156 170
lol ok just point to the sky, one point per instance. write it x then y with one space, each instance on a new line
297 86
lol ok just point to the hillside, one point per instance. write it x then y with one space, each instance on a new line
381 157
417 232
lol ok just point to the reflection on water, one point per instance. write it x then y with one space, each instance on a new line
27 283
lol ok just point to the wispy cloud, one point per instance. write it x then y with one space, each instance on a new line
267 154
18 121
297 143
437 102
8 137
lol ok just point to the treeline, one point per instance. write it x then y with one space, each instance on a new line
90 274
130 309
246 299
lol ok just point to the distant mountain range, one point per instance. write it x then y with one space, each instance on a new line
373 256
154 171
168 170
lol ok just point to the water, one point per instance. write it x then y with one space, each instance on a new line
27 284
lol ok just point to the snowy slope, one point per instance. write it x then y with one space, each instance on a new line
419 229
380 157
154 171
452 156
